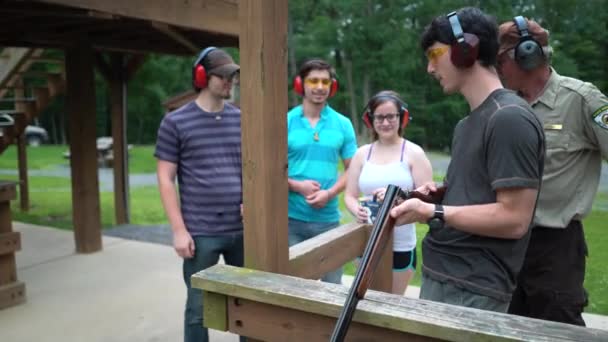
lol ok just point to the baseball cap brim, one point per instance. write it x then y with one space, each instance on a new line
225 70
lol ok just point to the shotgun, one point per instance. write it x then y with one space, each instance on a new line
383 228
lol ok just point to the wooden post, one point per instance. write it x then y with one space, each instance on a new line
12 292
80 103
118 100
24 197
263 58
24 192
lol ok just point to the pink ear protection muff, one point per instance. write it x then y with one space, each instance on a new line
404 114
199 74
466 48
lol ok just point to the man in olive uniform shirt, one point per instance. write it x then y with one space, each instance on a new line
575 119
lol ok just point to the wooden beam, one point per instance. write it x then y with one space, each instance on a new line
209 15
80 103
118 108
178 37
24 192
378 309
315 257
24 188
10 242
263 55
12 294
266 322
215 311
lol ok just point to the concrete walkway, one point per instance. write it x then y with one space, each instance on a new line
131 291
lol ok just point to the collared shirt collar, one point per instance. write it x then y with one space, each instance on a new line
549 94
322 115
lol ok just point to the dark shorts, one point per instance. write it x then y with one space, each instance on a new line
404 261
550 284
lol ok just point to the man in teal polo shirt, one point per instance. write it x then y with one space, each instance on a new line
318 137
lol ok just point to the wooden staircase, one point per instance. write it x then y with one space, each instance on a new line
31 90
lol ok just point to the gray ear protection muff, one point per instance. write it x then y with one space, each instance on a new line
528 52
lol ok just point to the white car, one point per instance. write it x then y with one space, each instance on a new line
35 135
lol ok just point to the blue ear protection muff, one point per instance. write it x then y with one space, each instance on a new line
528 52
199 74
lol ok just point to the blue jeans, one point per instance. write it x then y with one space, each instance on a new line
207 253
300 231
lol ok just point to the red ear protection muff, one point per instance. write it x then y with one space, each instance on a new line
199 74
404 114
298 86
466 48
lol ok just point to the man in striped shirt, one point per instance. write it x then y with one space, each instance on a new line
318 137
200 143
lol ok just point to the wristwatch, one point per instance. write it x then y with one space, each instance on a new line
437 220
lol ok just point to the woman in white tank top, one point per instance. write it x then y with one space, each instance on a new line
389 159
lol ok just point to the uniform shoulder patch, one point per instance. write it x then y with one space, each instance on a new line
600 117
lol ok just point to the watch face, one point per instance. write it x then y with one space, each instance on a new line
435 223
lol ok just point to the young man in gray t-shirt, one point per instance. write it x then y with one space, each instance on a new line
479 233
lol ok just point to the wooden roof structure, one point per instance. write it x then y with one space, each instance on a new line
138 26
114 37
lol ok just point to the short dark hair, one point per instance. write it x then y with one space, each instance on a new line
315 64
473 20
383 97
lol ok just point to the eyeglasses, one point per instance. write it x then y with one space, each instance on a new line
391 117
313 82
433 54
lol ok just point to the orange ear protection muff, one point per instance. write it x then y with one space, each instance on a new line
528 52
404 114
199 74
466 48
298 86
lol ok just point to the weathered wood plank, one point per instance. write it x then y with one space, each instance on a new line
8 269
326 252
10 242
8 191
274 323
12 294
263 58
420 317
215 311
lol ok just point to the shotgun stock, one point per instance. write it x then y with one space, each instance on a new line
383 228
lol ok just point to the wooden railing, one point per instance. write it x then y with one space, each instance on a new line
273 307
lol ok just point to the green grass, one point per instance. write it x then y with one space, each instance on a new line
48 157
38 158
596 280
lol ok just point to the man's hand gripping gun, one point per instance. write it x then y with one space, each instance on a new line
381 232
